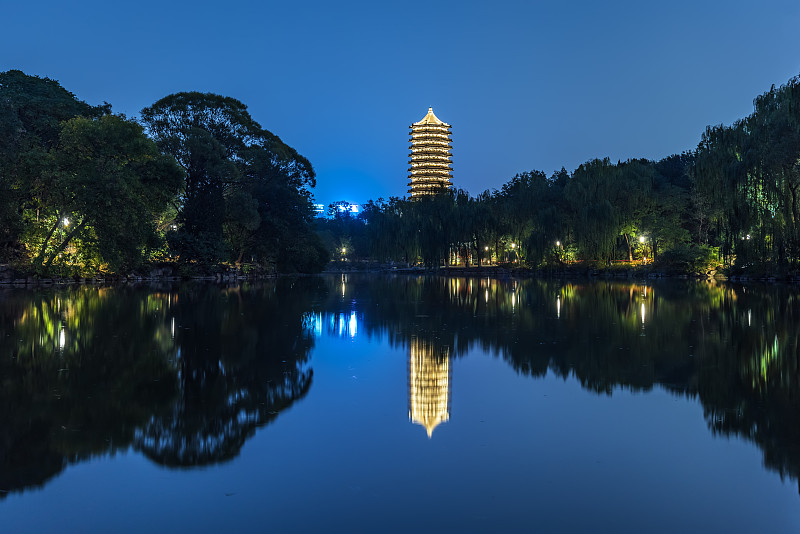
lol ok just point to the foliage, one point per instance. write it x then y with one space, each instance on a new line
108 186
736 197
31 112
534 219
695 259
245 194
749 174
83 189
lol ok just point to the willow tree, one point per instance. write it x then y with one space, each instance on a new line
752 171
773 154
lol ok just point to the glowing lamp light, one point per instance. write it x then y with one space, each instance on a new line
66 222
641 239
344 250
513 245
558 243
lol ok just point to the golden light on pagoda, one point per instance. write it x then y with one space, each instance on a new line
430 158
429 377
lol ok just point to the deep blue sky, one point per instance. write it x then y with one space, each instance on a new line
526 85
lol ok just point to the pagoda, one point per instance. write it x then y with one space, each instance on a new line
430 158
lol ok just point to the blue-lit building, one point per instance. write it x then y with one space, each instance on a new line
341 207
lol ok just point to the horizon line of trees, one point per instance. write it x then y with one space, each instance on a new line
195 181
733 201
198 182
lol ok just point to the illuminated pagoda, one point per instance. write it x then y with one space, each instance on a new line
429 377
430 158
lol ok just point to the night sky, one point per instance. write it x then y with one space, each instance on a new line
526 85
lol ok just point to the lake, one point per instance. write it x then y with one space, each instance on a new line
379 403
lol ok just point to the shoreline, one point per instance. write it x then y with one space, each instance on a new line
7 278
583 272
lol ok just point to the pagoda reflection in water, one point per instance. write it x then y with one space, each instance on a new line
429 377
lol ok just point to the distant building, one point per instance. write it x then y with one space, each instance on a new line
338 207
351 208
430 158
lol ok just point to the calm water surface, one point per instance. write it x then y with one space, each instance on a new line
390 404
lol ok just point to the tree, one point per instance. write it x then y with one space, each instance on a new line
32 110
245 193
108 184
590 194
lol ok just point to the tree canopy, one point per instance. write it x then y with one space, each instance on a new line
201 182
245 193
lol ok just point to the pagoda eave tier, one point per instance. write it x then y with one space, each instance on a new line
415 190
428 146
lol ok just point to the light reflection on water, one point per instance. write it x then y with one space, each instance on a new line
336 324
187 376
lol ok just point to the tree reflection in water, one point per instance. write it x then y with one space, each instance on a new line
184 374
735 348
